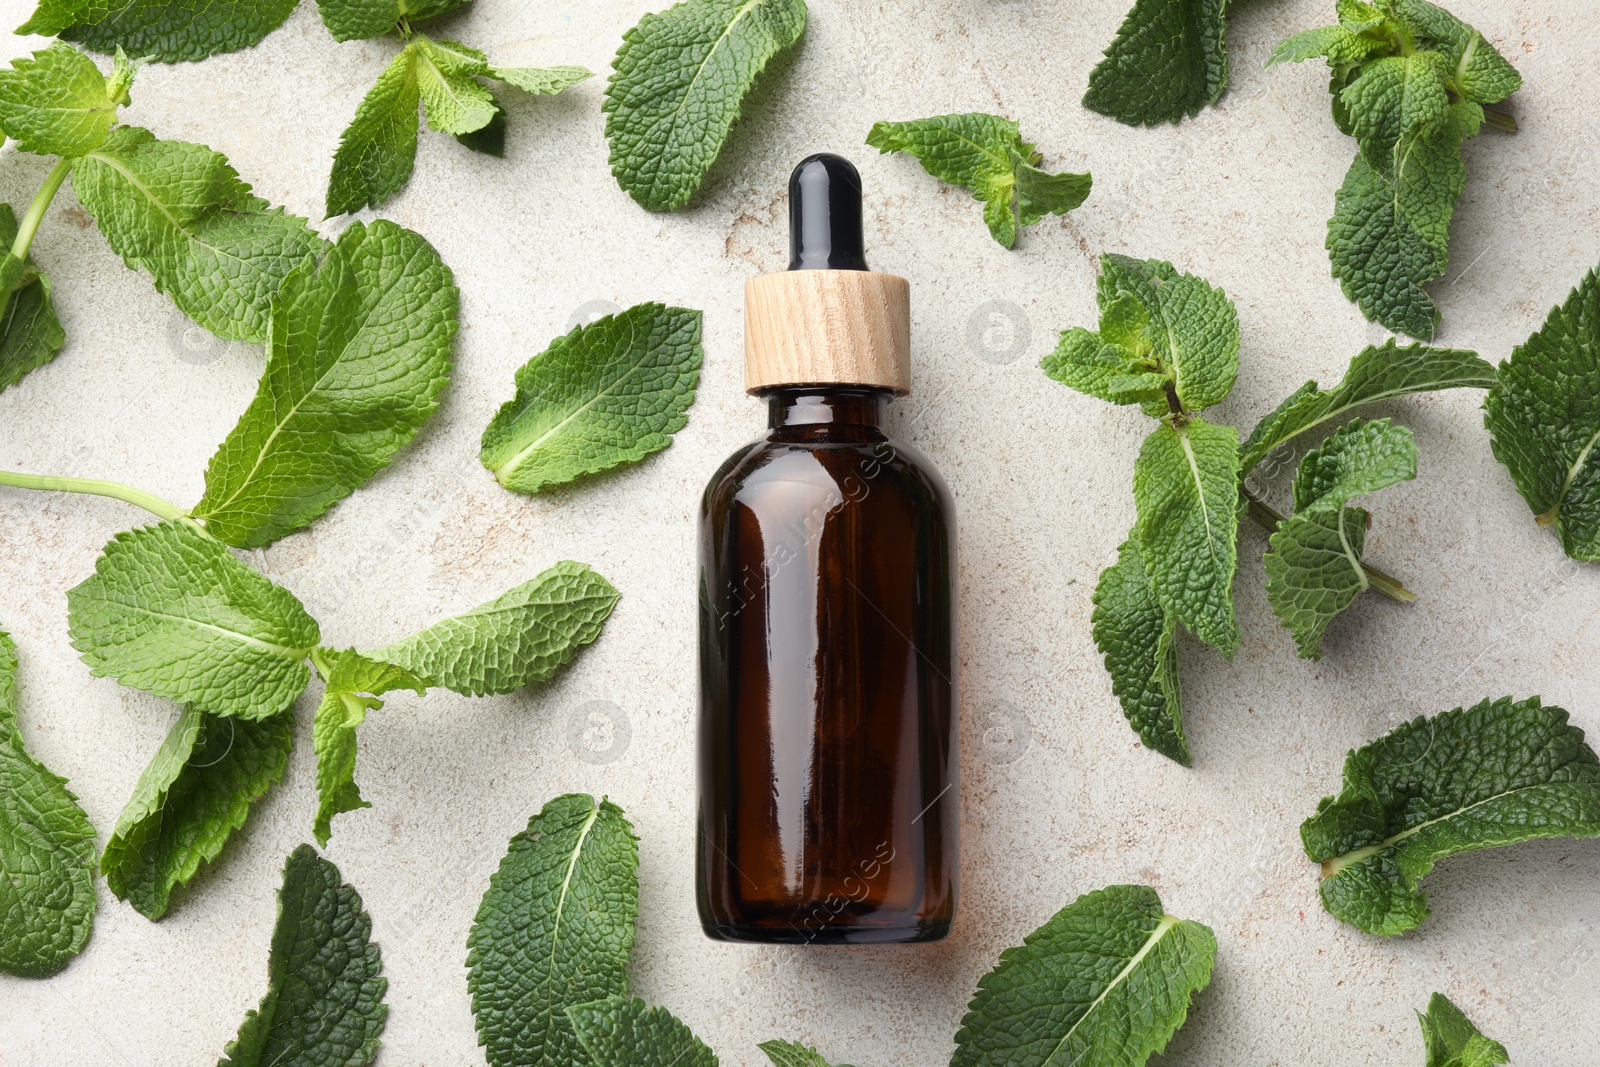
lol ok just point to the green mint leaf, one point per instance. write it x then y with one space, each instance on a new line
985 155
324 1001
1498 773
676 87
1105 982
1380 373
175 31
1544 415
378 150
1394 96
520 638
46 851
353 684
350 20
1167 62
793 1054
1478 72
30 333
1137 639
1176 327
453 99
1453 1041
626 1032
180 211
1088 363
56 102
1341 47
1314 569
359 353
1186 489
608 393
171 611
53 16
490 139
544 81
190 799
555 929
1389 231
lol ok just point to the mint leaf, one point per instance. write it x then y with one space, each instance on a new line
455 102
1394 96
554 929
1137 639
1186 489
490 139
608 393
175 31
520 638
1191 330
46 851
353 684
324 1001
676 87
190 799
378 150
543 81
30 333
1105 982
57 103
1314 569
793 1054
985 155
350 20
1498 773
53 16
171 611
1544 415
359 352
1453 1041
1478 73
625 1032
1380 373
180 211
1167 62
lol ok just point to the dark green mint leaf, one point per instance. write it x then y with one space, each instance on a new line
625 1032
1167 62
1137 637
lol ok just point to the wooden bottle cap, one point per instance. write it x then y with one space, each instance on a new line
827 327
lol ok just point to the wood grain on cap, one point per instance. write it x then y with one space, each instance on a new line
827 327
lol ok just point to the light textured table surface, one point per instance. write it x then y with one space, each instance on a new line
1057 797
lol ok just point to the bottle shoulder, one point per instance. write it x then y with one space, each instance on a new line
827 465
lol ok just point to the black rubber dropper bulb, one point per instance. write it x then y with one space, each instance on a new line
825 215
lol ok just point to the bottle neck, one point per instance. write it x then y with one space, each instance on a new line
824 405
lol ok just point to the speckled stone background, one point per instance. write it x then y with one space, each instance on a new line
1057 797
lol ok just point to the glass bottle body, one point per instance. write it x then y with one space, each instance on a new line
829 805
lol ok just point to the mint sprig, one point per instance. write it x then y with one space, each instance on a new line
1452 1041
1169 343
1497 773
442 78
986 155
46 851
1411 83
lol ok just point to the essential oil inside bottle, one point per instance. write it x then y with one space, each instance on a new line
829 804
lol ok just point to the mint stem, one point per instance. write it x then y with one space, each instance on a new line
1268 518
116 490
41 203
1500 120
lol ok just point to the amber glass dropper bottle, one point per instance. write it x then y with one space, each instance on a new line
828 805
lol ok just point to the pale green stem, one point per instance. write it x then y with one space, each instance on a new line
1267 517
41 203
156 506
